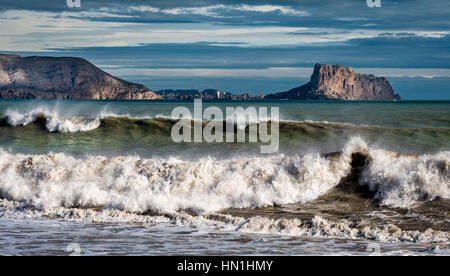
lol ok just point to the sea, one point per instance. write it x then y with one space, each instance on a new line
107 178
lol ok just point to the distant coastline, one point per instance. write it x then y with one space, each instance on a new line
40 77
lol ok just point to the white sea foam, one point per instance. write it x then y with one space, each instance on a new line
57 122
137 185
317 227
54 121
166 185
17 118
404 180
73 124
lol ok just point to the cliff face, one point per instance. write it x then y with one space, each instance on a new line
63 78
340 83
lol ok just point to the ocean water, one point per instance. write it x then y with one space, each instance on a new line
106 178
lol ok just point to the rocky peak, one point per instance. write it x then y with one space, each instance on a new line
330 82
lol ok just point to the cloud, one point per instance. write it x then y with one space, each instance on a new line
50 30
267 39
211 11
273 72
270 8
143 9
217 10
428 73
350 19
212 72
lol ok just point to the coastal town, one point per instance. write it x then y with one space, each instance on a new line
207 94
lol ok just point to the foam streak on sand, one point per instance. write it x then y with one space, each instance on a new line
317 227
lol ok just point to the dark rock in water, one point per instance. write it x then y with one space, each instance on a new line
63 78
340 83
351 183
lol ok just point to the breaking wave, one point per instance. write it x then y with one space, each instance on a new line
403 180
133 184
54 122
137 185
130 188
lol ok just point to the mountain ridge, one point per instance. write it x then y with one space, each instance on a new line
47 77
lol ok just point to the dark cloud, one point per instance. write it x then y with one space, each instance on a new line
385 51
406 14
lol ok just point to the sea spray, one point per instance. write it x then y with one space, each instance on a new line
54 121
171 184
402 180
138 185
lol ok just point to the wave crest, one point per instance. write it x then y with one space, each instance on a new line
166 185
161 185
74 124
54 122
402 180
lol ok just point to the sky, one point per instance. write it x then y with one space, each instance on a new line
259 46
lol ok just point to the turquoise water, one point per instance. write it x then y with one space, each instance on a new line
407 126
